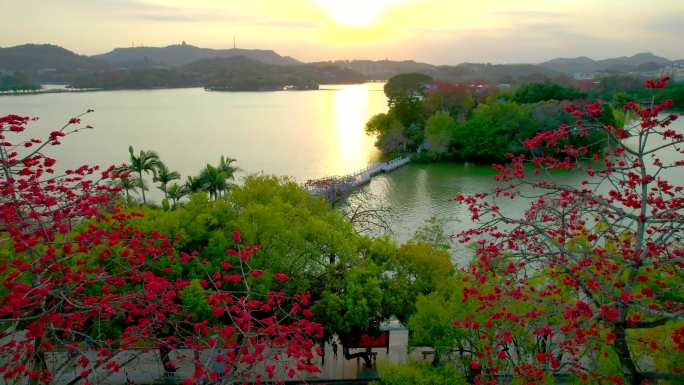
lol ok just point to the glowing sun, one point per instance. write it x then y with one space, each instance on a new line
355 13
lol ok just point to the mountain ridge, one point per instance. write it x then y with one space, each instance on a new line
183 54
639 60
45 63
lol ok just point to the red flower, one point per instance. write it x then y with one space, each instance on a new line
256 273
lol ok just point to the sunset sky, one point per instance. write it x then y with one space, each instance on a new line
435 31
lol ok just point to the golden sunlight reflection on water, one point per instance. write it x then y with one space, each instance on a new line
351 105
302 134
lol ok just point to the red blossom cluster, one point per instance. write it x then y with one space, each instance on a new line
587 264
657 83
81 285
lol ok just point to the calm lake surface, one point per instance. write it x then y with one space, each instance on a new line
302 134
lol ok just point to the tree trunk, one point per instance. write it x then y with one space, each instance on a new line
142 187
436 359
38 362
632 374
164 355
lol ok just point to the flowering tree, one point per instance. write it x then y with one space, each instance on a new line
589 280
83 289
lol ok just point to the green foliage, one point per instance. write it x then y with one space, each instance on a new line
493 131
17 82
215 180
129 184
416 268
456 100
406 86
621 89
665 357
440 124
143 162
418 373
549 115
408 111
432 232
352 303
389 133
164 176
431 325
400 129
299 234
439 132
538 92
356 282
237 73
177 192
195 301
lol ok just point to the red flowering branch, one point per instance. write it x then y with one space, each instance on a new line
81 291
590 263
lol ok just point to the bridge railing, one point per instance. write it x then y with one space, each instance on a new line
371 170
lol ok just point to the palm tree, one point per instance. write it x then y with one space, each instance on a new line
176 192
225 166
128 183
193 184
213 180
165 176
145 162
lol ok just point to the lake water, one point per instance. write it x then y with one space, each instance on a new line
303 134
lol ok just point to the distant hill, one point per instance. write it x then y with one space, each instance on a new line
182 54
183 65
46 62
506 73
235 73
242 73
385 69
645 61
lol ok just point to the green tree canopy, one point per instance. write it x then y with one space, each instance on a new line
539 92
440 129
406 86
17 82
493 131
389 133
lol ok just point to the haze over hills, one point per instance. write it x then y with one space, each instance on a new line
51 63
642 61
44 57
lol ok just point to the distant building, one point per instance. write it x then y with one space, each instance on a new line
584 75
